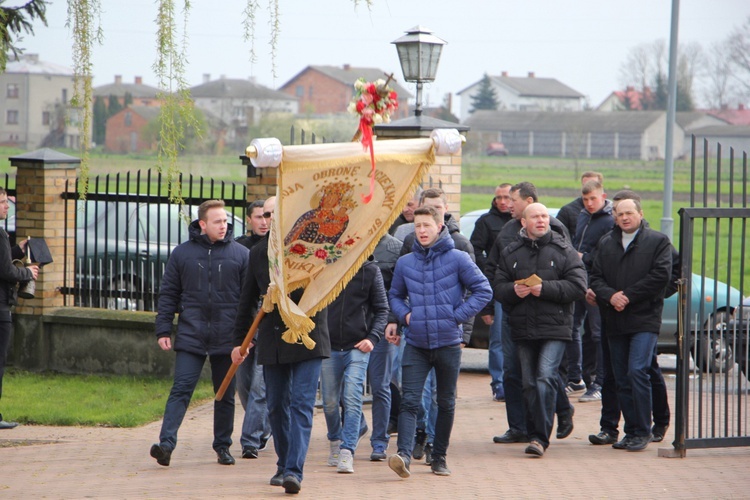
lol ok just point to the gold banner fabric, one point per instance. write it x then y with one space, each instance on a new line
322 231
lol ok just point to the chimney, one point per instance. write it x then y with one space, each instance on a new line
118 79
252 80
347 67
504 74
139 80
222 77
629 88
740 107
31 58
206 77
531 74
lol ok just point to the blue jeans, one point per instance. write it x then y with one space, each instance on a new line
415 366
631 357
514 406
540 361
427 415
291 390
252 391
379 370
573 349
187 372
610 418
342 380
495 363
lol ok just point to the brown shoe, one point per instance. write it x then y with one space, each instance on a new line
535 448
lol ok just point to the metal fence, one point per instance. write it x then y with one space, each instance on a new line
125 231
712 392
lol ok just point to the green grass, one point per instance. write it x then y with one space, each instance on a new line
555 177
88 400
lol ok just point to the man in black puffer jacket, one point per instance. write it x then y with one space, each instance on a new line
202 283
291 371
540 313
356 323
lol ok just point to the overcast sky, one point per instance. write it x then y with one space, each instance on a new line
582 43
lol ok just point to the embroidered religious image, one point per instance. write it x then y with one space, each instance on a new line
328 219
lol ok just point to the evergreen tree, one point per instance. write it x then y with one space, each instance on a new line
128 99
485 98
100 120
113 106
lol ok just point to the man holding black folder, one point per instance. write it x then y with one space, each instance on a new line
10 275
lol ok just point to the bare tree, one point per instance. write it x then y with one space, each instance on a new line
738 44
717 89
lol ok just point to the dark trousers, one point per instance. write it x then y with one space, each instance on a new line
6 329
187 372
415 366
631 361
610 418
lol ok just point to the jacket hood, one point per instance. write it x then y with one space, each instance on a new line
451 224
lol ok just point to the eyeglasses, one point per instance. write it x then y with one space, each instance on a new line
267 215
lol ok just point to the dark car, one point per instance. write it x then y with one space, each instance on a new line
122 249
718 303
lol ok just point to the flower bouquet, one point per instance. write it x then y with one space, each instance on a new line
373 102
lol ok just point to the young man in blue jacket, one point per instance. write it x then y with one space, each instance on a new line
202 282
427 295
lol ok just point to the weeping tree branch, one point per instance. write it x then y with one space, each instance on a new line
17 20
84 18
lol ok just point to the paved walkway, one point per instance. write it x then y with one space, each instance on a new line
65 462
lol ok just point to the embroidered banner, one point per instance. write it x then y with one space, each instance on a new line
322 231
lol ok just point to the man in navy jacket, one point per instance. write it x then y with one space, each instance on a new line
202 282
427 295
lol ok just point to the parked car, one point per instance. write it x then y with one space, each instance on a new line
122 249
496 149
719 303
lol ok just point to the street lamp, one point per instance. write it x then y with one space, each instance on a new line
419 54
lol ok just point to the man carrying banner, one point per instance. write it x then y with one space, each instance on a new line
291 371
427 295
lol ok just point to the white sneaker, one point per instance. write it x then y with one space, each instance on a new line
333 456
346 462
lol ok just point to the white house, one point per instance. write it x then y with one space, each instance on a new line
525 94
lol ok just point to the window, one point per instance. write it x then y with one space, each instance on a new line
45 117
128 119
299 91
310 92
65 96
12 91
11 117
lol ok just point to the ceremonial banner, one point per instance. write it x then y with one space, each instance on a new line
322 230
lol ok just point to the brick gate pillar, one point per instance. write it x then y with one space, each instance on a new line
40 213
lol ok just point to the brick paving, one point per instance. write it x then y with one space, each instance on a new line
72 462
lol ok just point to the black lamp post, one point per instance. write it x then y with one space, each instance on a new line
419 54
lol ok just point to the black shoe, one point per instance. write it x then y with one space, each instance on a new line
224 458
565 424
639 443
249 452
377 456
400 465
428 454
439 467
291 485
162 455
264 442
623 443
511 436
418 451
659 431
278 478
602 438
